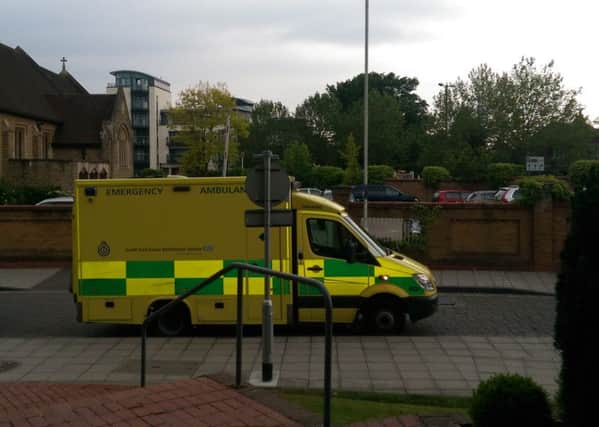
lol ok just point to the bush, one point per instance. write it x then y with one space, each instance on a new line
579 170
510 400
26 194
576 311
327 176
377 174
152 173
532 189
502 174
434 175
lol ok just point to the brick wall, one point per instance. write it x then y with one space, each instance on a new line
463 236
35 233
487 236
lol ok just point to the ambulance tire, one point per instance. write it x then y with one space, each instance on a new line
386 318
173 323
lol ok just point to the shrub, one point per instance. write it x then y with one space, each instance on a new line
377 174
532 189
434 175
26 194
327 176
510 400
152 173
578 171
501 174
576 311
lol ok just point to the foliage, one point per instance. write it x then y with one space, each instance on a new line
298 162
352 174
26 194
397 117
200 119
432 176
415 245
510 399
579 171
377 174
327 176
152 173
576 311
533 188
510 115
272 128
502 174
561 143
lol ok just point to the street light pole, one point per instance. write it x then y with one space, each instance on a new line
365 214
447 86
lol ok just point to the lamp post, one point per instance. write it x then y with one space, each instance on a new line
446 86
365 214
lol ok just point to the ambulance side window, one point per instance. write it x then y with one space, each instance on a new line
332 240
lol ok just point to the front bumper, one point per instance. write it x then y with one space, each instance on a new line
421 307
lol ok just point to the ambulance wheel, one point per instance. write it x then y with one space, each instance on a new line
174 322
385 318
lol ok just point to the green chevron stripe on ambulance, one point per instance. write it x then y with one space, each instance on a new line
131 278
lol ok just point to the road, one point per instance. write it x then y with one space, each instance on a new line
43 312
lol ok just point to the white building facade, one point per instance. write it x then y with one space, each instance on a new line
146 97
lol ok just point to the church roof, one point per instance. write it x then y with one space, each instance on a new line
31 91
83 116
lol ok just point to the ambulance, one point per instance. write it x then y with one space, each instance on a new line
139 243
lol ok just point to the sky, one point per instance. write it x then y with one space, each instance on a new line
287 50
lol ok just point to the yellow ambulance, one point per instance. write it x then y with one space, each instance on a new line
138 243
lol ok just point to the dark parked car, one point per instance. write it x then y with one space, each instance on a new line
380 193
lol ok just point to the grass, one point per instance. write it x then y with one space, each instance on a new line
349 407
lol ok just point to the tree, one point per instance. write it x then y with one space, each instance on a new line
397 117
352 167
298 162
576 313
503 112
200 118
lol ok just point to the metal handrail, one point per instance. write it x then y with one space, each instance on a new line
241 267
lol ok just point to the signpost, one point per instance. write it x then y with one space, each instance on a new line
267 185
535 164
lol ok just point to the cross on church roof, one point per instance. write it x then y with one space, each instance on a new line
64 61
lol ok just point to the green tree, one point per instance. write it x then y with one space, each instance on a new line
508 108
397 118
298 162
352 167
576 313
200 118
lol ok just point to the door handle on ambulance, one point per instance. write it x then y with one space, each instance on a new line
315 268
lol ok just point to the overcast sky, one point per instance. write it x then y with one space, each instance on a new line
286 50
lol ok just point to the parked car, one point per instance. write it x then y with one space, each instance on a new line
56 201
450 196
380 193
482 196
508 194
309 190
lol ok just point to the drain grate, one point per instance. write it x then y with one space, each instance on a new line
7 365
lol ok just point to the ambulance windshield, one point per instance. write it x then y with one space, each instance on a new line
375 249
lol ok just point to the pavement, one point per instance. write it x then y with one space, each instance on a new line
444 365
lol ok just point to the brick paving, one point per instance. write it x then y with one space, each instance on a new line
195 402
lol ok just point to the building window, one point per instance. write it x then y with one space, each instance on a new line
45 147
35 149
19 143
123 146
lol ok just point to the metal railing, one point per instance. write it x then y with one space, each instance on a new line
241 267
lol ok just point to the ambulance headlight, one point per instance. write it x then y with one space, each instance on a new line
424 281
